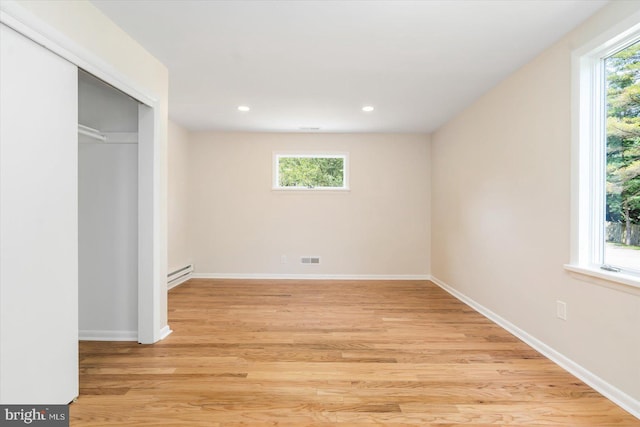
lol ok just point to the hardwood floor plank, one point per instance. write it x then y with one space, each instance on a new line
329 353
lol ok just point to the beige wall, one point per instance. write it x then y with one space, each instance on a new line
90 28
178 189
501 215
239 225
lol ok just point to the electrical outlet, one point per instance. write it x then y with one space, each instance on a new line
283 259
561 310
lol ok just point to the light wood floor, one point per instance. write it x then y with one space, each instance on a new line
289 353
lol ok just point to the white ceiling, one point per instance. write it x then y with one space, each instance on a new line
301 64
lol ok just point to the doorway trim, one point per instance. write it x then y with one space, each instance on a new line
152 264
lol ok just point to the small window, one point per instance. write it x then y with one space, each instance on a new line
324 171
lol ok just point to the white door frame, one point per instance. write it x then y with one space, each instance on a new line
152 264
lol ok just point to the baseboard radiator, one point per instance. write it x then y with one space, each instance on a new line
179 276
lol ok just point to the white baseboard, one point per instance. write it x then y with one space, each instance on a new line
165 332
614 394
118 335
87 335
310 276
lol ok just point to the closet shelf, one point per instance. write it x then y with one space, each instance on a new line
94 135
91 133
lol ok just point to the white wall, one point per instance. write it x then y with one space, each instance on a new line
108 216
501 215
239 225
178 189
102 107
108 232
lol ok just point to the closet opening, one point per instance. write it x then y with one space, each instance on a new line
108 212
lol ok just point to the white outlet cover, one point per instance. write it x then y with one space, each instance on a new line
561 310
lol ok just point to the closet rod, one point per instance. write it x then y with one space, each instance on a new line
91 132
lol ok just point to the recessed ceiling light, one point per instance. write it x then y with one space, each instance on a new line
243 108
367 108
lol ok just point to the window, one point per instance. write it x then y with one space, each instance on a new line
607 154
304 171
622 162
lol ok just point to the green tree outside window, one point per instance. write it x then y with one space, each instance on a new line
623 143
311 172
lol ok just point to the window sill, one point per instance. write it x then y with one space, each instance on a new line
620 281
318 189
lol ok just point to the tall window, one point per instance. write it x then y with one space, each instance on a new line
607 154
325 171
622 214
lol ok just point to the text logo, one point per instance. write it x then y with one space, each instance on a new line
36 415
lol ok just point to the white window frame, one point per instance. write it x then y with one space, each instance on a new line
307 154
589 155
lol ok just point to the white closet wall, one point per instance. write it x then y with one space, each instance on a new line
108 215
